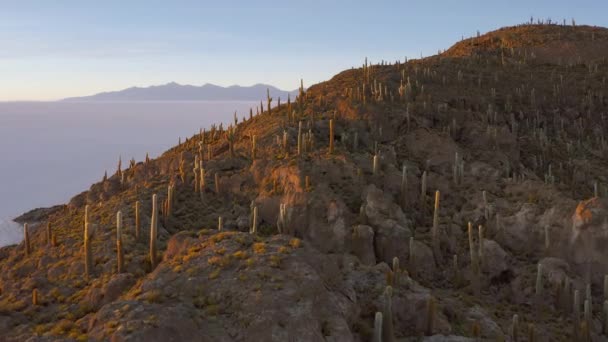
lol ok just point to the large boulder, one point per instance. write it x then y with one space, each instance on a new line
391 227
496 260
362 244
489 328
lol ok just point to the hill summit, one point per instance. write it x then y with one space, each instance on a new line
459 197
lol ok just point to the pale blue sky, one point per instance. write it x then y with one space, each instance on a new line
55 49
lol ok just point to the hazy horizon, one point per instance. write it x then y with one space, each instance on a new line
52 151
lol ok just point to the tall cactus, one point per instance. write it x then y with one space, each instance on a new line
120 263
403 187
220 224
137 220
375 165
26 240
430 316
217 183
377 327
576 312
475 269
605 318
153 232
412 257
423 190
331 136
170 199
484 196
481 237
388 332
300 138
396 270
49 233
282 220
35 300
435 229
515 328
253 147
588 313
88 252
201 181
268 99
539 285
254 221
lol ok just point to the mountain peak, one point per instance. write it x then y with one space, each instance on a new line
174 91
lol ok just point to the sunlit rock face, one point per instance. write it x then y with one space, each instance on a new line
589 239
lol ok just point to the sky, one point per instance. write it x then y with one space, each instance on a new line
55 49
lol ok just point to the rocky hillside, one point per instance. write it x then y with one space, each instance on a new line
460 197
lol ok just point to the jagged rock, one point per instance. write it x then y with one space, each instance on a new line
363 244
488 326
555 270
379 209
519 232
425 260
391 228
178 244
496 260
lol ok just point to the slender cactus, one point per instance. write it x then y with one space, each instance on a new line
576 311
120 263
88 253
49 233
412 257
377 327
423 190
388 332
435 229
475 269
217 183
254 222
605 318
35 297
588 295
430 316
456 271
137 220
539 284
486 214
531 332
515 328
331 136
220 224
170 199
588 313
26 240
153 232
253 147
396 270
201 179
480 255
403 186
300 138
606 287
375 165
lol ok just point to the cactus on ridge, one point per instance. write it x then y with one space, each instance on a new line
153 232
120 263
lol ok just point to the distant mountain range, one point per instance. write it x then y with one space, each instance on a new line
178 92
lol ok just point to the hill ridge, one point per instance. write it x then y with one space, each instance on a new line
446 198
